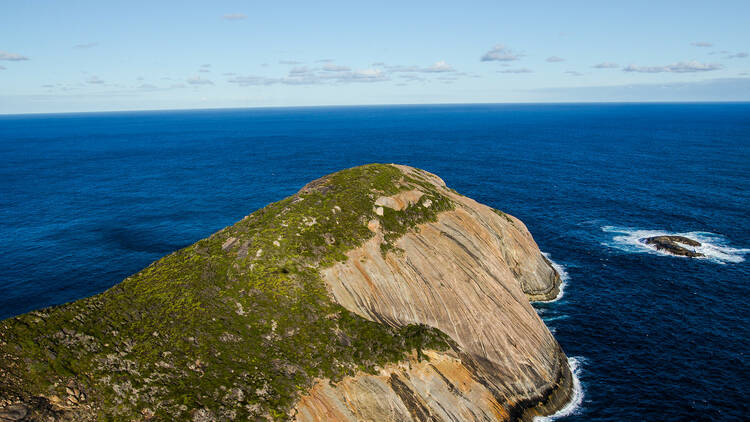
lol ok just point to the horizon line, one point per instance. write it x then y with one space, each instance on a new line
275 107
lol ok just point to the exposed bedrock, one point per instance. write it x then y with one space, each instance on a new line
470 274
374 293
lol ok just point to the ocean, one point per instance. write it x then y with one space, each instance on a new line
88 199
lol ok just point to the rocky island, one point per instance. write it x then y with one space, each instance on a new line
674 245
374 293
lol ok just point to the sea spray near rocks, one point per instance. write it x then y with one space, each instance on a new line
564 278
714 246
576 400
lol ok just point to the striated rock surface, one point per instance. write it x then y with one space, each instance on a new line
374 293
470 274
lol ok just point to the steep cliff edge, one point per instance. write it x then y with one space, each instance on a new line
373 293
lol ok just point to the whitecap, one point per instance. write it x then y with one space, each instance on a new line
563 279
574 405
714 246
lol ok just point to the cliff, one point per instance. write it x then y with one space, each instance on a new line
373 293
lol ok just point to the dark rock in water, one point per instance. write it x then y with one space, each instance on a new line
674 245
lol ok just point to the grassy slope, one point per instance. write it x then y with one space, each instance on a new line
239 332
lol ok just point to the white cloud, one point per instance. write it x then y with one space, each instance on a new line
740 55
305 76
681 67
606 65
500 53
197 80
299 70
12 57
335 68
439 67
85 46
519 70
94 80
234 16
555 59
701 44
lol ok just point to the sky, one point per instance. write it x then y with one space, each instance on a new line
70 56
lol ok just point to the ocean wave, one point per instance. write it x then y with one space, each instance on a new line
574 405
564 277
714 246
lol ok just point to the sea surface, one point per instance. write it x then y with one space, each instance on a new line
87 199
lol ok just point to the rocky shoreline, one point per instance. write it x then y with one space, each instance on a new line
373 293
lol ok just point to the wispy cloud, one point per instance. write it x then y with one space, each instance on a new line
85 46
500 53
606 65
723 89
437 67
197 80
555 59
94 80
12 57
2 67
702 44
307 76
681 67
740 55
573 73
335 68
332 73
234 16
289 62
519 70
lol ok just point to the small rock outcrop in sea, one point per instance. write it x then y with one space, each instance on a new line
674 245
374 293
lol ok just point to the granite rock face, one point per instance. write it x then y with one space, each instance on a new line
374 293
470 274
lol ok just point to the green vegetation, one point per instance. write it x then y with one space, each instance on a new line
237 324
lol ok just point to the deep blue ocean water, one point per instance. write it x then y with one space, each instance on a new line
87 199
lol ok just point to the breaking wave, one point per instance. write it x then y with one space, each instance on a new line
576 399
564 277
714 246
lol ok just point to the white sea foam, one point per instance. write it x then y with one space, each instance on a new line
713 246
563 278
574 405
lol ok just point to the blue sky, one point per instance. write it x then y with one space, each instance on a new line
62 56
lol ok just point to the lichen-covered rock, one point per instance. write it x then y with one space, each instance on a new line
374 286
